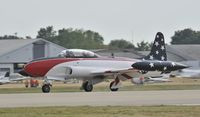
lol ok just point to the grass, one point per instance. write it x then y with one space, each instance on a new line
107 111
70 88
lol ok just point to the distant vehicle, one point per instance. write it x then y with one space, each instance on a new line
189 73
7 78
158 79
4 78
93 69
152 79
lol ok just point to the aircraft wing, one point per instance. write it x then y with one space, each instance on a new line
3 81
56 78
18 79
108 72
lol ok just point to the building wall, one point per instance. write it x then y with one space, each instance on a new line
6 67
119 54
54 50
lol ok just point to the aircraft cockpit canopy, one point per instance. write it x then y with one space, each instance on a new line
77 53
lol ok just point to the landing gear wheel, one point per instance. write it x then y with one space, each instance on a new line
113 89
46 88
87 87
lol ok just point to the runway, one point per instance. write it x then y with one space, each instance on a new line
122 98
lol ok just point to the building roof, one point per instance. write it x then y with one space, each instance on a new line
9 45
186 52
174 53
180 52
130 53
12 44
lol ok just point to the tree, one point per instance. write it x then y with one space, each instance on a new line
144 46
78 38
10 37
47 33
72 38
28 37
121 44
186 36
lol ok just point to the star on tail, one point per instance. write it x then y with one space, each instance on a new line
158 50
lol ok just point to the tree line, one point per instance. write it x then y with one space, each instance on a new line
72 38
87 39
186 36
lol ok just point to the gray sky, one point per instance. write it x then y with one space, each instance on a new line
135 20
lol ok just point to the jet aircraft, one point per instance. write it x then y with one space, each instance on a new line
158 79
7 78
189 73
93 68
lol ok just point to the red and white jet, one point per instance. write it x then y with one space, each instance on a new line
93 69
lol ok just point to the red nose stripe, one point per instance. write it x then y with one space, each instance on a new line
40 68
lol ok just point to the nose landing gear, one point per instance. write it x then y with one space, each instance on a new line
87 86
46 88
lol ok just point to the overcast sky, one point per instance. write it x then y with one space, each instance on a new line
133 20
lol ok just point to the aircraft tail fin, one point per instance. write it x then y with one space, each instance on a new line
7 74
158 50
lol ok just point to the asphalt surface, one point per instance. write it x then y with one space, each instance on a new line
123 98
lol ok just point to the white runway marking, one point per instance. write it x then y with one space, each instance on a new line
123 98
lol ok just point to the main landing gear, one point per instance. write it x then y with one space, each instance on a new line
87 86
114 85
112 88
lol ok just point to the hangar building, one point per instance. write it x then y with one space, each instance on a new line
14 53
